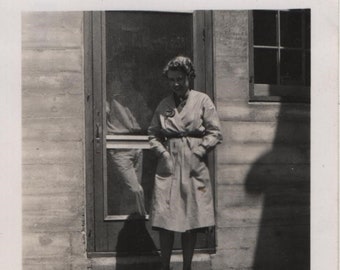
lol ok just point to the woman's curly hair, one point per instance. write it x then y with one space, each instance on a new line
181 63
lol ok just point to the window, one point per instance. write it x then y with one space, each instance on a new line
125 53
280 55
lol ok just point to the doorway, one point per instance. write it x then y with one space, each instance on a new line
129 50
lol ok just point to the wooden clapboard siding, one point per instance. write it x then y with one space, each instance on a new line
53 140
262 168
236 174
237 110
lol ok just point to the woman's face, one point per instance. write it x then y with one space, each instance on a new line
179 82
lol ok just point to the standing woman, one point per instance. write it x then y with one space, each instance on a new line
185 126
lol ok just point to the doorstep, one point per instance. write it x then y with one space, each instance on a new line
199 262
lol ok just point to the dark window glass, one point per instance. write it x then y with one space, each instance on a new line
264 28
265 66
137 48
307 28
281 55
291 68
307 68
291 29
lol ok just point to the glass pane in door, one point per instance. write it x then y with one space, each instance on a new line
138 45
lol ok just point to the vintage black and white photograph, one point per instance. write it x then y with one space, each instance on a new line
167 139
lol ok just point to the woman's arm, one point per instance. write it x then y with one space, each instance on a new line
165 164
155 137
211 123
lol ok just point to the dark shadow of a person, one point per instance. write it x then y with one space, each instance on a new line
135 240
282 176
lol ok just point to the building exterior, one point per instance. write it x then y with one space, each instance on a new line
261 170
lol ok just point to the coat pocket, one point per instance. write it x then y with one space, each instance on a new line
162 192
199 171
196 165
165 167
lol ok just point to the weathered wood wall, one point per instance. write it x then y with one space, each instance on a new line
262 166
53 141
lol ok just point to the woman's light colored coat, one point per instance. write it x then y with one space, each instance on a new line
182 199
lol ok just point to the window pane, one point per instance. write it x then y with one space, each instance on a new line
264 27
291 68
307 67
130 174
265 61
291 28
138 45
307 28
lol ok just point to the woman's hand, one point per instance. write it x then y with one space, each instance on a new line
196 163
199 151
165 165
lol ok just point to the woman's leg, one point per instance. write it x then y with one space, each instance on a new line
166 242
188 245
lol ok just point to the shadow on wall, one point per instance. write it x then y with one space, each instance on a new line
134 240
282 176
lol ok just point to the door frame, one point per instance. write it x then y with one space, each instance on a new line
94 76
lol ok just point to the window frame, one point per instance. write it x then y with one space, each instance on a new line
269 92
95 125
